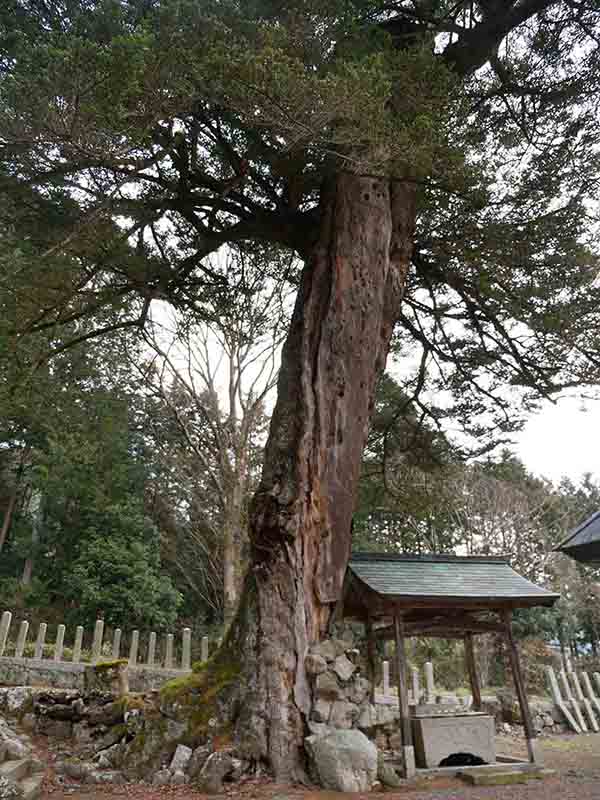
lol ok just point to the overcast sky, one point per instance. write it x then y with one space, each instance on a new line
562 440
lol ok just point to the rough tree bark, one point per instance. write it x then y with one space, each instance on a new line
347 304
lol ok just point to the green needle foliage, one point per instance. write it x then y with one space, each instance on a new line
136 138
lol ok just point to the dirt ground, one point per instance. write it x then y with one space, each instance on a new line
575 758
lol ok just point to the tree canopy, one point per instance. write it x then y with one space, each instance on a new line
137 138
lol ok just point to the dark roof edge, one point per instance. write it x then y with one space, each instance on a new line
432 557
572 534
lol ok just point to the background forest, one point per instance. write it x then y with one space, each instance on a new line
128 464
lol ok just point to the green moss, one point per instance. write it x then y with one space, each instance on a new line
119 730
135 701
201 690
105 666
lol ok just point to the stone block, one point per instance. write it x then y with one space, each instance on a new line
161 778
343 714
505 778
359 690
327 687
435 738
318 728
321 711
326 650
367 716
343 668
107 676
315 664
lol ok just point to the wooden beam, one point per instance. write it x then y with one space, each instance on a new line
371 652
405 722
472 671
515 665
451 627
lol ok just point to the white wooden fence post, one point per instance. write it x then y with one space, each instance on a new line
78 644
151 649
169 652
204 649
21 639
4 626
186 649
116 646
60 638
97 642
133 650
39 642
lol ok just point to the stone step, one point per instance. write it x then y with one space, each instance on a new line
32 787
15 769
506 777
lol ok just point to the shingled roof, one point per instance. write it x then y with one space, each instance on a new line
583 543
446 578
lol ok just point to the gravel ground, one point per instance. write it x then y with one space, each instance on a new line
575 758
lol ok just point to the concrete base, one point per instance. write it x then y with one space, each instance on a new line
437 737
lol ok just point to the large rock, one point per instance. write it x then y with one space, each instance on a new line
198 759
16 698
106 776
387 773
216 768
181 758
344 761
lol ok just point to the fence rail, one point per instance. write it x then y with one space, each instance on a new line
99 646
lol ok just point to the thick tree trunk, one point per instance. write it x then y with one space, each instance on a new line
347 304
8 515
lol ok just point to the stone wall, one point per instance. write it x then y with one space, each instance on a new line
99 738
341 695
65 675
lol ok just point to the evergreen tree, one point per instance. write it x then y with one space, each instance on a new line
430 162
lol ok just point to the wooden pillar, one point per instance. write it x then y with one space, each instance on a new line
408 750
515 666
472 671
371 659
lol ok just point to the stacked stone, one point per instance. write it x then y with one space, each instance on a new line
547 718
341 695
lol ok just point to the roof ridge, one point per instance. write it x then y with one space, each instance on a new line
441 557
578 529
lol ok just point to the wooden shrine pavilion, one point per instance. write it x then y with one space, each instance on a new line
397 596
583 543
